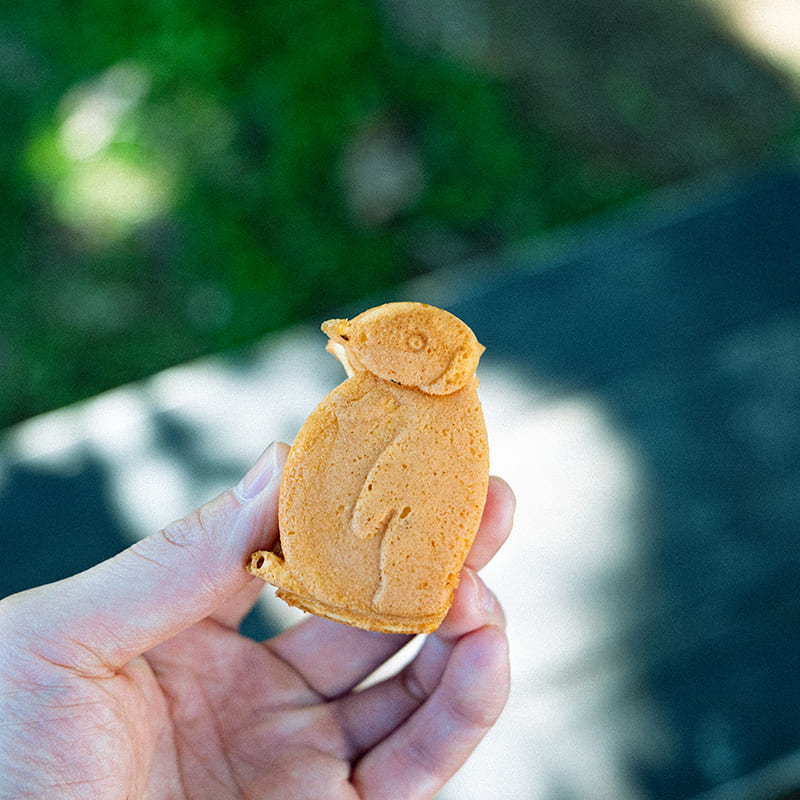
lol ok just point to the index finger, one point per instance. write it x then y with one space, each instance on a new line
498 517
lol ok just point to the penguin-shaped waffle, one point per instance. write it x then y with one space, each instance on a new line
384 487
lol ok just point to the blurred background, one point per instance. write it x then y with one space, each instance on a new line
608 194
179 178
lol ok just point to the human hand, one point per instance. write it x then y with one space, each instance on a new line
130 680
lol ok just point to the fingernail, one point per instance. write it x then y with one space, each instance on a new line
259 475
485 599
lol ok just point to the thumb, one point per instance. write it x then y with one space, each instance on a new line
100 619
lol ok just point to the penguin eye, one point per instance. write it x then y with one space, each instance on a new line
416 341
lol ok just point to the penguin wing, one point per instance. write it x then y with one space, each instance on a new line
386 491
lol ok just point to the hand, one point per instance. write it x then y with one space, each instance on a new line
130 680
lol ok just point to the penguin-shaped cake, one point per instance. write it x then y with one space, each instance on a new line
384 487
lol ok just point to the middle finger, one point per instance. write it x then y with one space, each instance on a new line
333 657
367 716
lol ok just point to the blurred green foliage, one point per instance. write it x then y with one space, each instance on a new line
173 179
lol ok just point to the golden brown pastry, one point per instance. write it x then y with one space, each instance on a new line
385 484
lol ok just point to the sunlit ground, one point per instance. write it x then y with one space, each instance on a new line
580 492
770 28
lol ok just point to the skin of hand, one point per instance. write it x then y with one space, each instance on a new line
130 680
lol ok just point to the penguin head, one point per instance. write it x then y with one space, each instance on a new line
410 344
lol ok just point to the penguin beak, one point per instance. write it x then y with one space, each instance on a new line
336 331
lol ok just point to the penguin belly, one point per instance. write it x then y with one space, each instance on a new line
380 501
